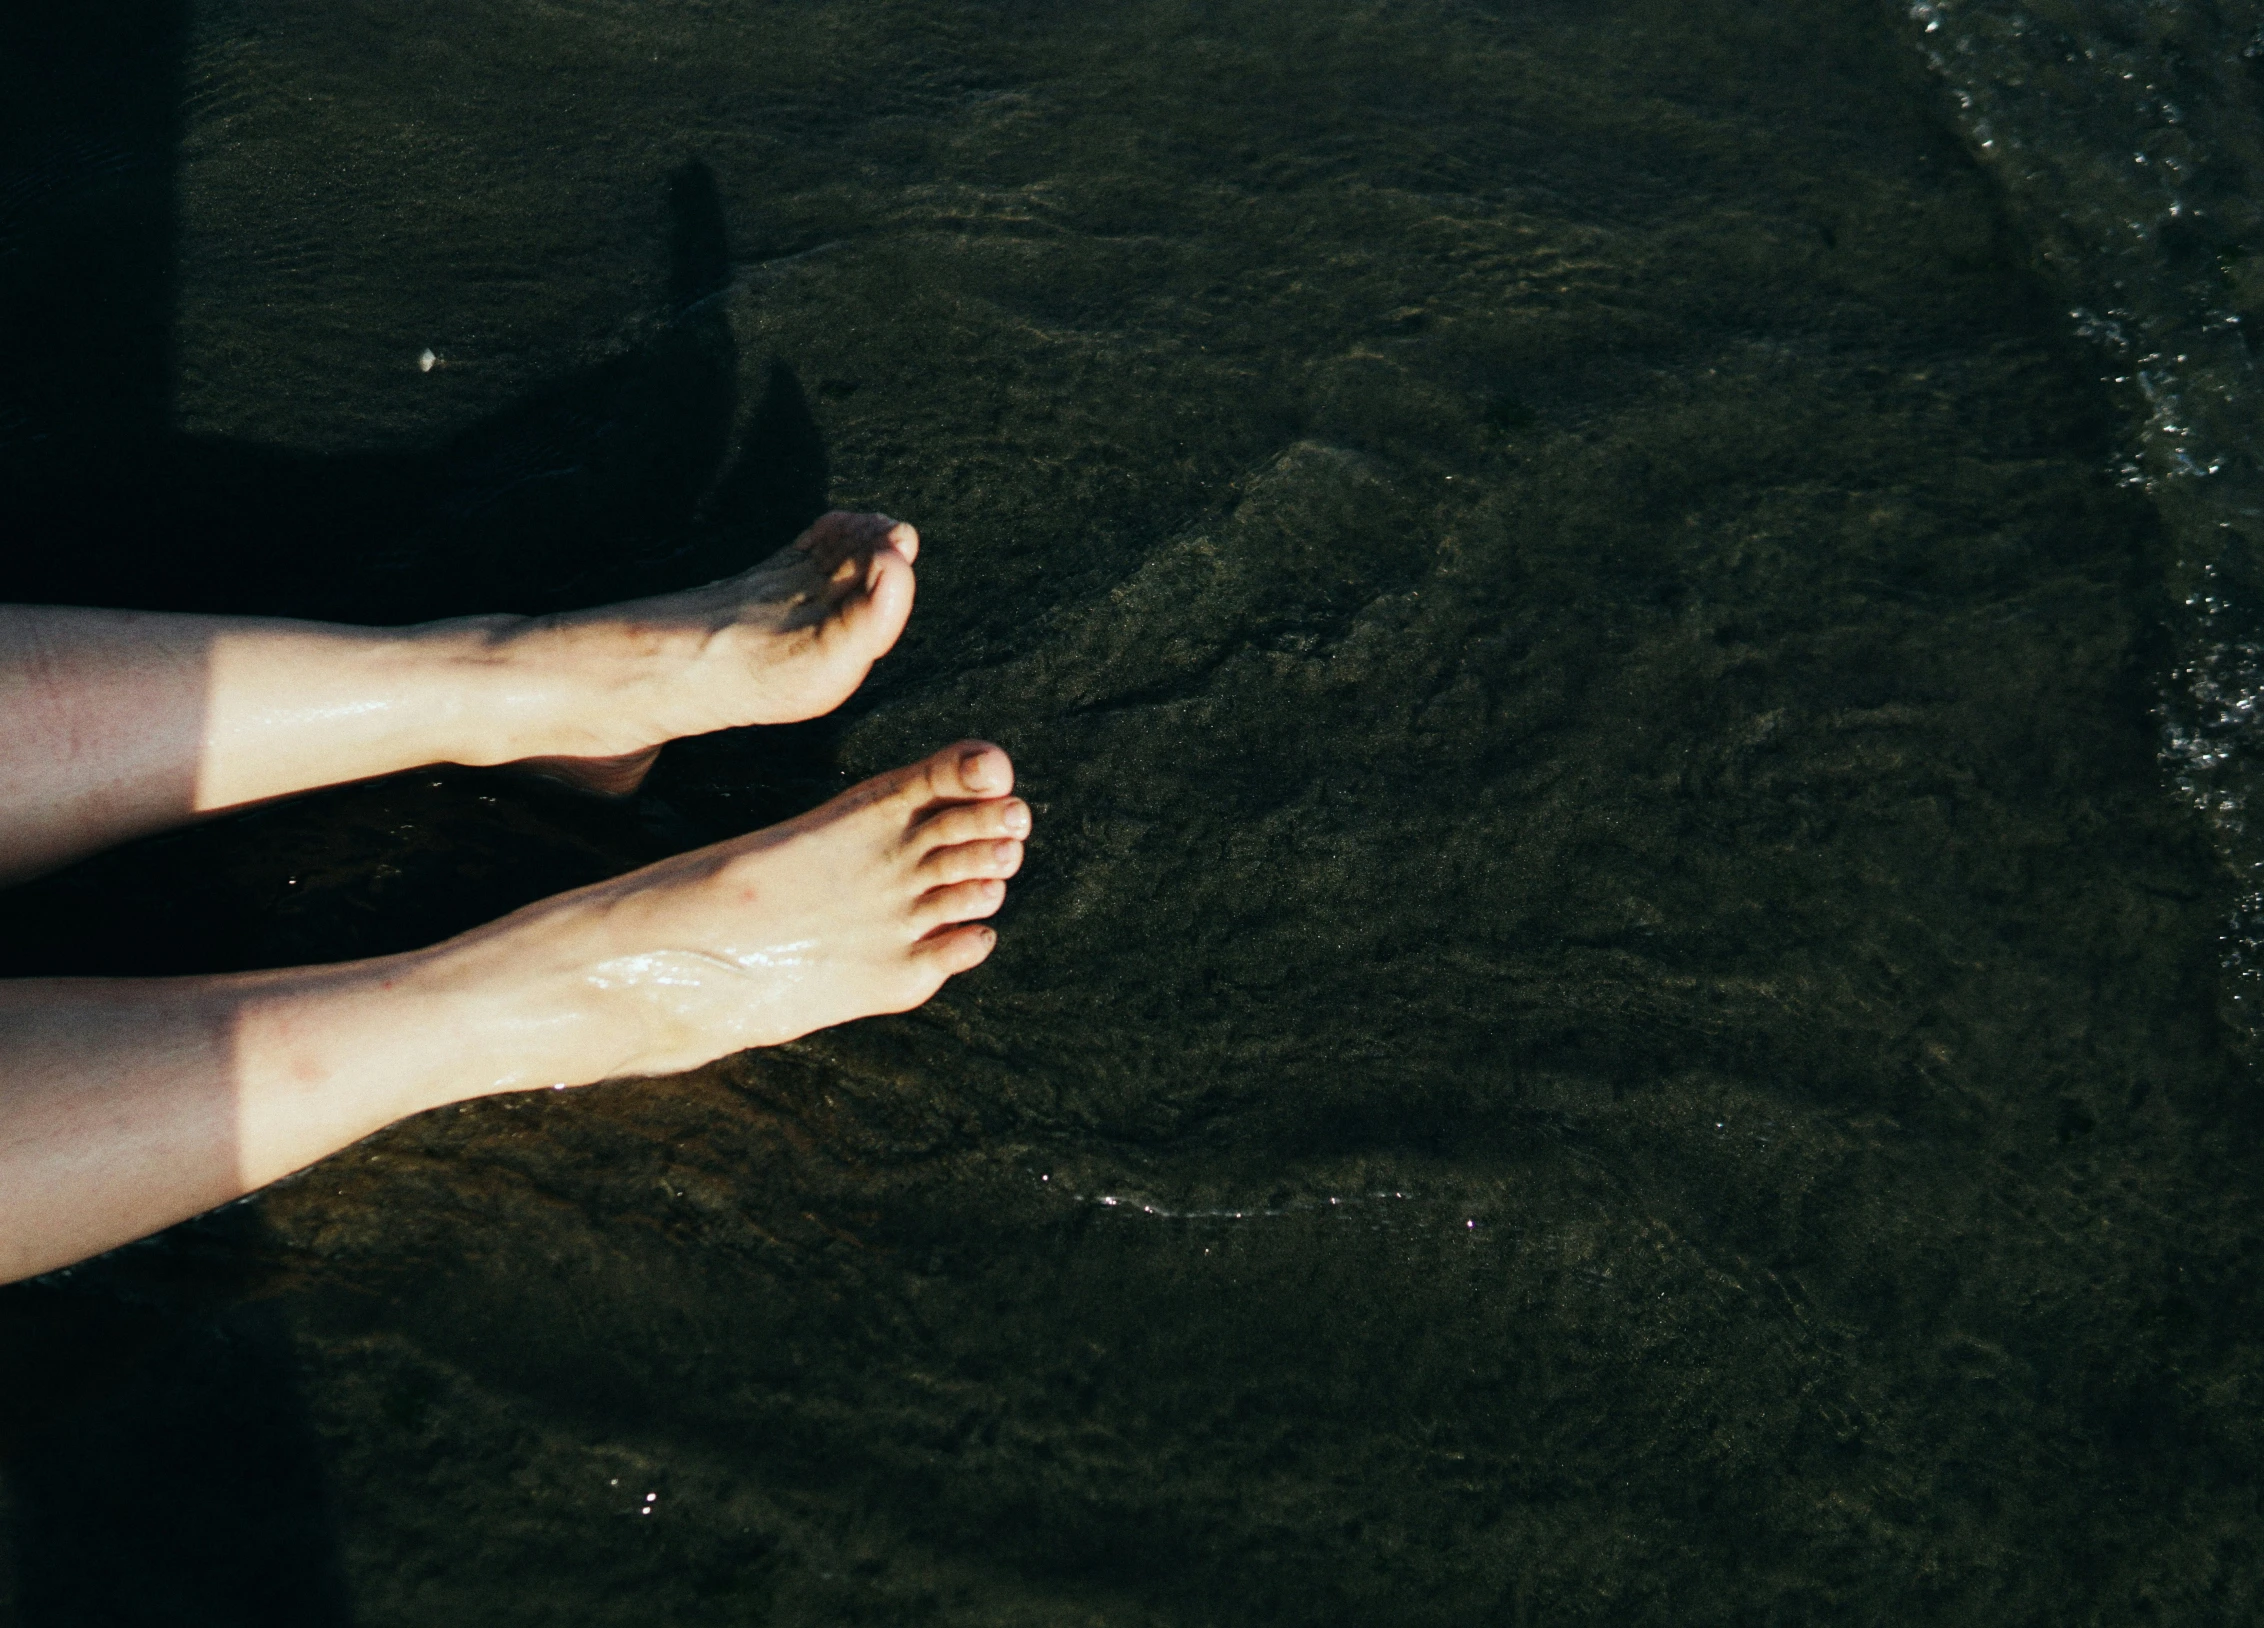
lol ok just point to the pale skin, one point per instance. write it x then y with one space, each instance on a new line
129 1104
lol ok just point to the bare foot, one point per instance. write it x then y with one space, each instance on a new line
790 639
129 1104
862 906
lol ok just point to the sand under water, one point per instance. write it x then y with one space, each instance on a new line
1615 1015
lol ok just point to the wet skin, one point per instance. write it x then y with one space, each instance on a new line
790 639
862 906
126 1105
116 724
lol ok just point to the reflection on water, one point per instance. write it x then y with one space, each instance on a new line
1606 908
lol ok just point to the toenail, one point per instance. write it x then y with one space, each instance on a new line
1017 821
975 769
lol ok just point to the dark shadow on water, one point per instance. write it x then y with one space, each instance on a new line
582 493
156 1457
770 497
615 481
160 1463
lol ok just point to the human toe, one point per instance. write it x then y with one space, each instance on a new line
973 822
970 769
967 860
956 949
984 770
873 606
959 901
839 535
831 536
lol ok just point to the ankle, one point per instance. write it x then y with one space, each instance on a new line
555 687
517 999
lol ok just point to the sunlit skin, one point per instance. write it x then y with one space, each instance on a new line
118 723
128 1104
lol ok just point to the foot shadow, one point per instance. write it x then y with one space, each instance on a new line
635 476
157 1460
589 490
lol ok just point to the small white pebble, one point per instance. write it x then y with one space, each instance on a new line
427 361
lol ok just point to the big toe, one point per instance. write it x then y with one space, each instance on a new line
872 619
982 770
971 769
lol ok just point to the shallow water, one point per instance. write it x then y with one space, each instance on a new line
1616 1013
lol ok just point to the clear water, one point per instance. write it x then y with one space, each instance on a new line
1628 1003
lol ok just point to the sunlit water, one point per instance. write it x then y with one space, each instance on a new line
1634 634
2126 138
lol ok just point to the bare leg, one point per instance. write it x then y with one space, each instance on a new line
118 723
128 1105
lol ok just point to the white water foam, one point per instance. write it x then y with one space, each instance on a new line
2128 139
